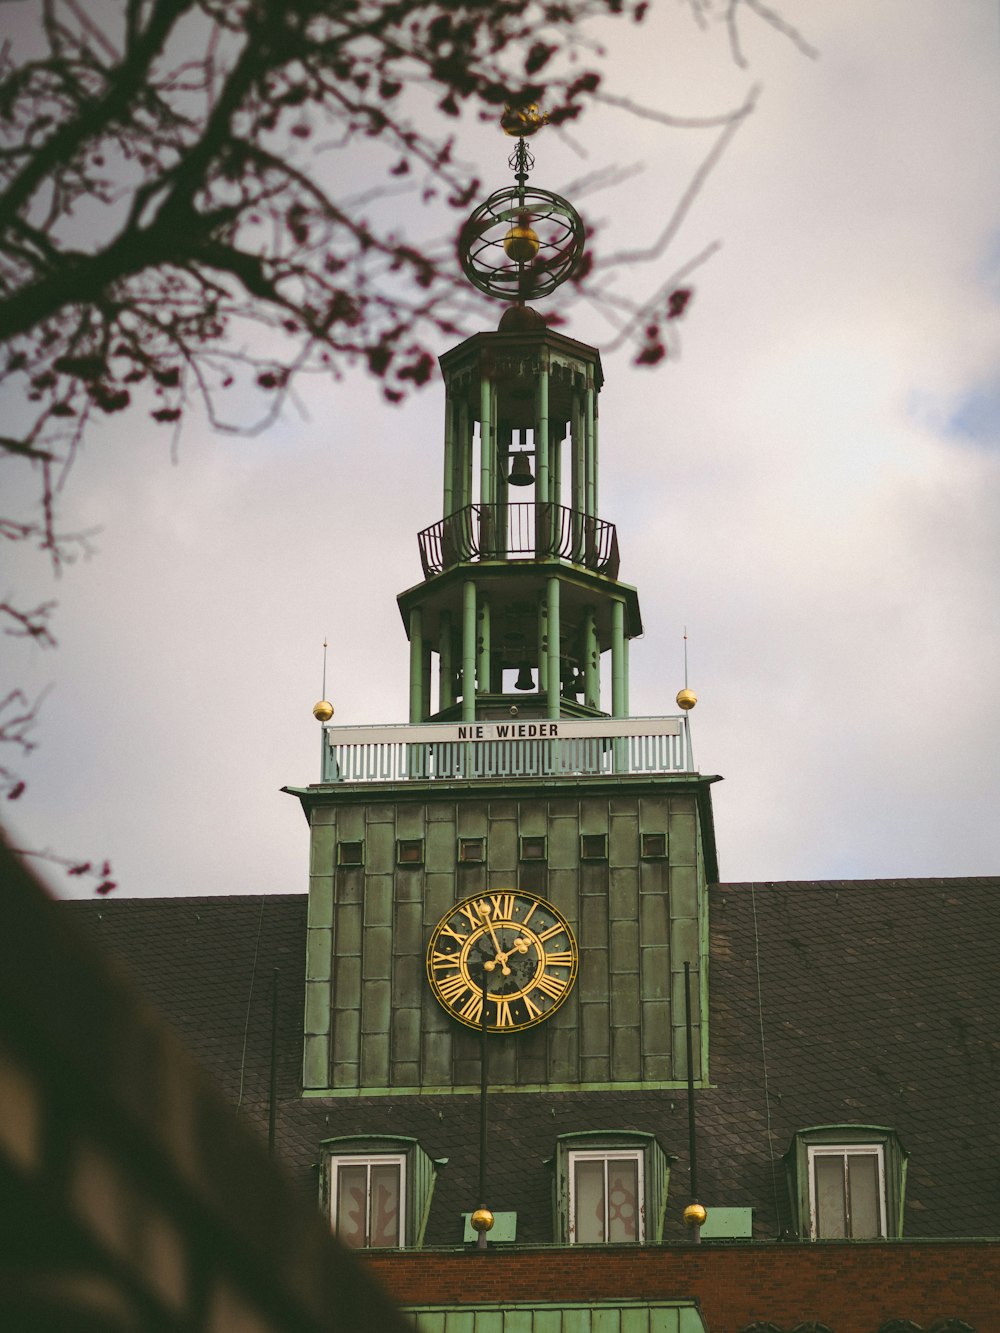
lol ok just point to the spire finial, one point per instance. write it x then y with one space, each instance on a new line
522 242
686 698
323 710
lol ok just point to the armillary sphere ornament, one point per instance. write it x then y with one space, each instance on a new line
521 242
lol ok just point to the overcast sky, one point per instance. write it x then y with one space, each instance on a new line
812 487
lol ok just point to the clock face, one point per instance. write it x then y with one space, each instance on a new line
519 944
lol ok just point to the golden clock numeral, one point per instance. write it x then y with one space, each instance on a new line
552 930
452 987
505 1019
447 930
503 905
471 914
473 1008
439 959
534 907
551 986
563 959
533 1009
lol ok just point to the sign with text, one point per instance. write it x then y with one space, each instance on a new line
513 729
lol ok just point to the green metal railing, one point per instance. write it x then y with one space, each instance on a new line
519 532
440 752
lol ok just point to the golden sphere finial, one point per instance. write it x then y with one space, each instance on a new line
323 711
482 1220
686 699
521 242
522 120
695 1215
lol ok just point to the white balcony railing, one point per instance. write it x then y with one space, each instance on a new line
507 749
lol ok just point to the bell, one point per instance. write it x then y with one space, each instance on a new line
524 680
520 473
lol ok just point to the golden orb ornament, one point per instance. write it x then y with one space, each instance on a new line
695 1215
482 1220
521 243
686 699
522 121
323 711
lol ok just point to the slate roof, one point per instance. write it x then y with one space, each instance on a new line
861 1001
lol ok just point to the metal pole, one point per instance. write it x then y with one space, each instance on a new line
483 1080
692 1141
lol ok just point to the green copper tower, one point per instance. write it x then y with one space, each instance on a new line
521 598
520 861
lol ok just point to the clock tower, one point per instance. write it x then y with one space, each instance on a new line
523 856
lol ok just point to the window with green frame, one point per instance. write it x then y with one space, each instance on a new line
609 1187
847 1182
376 1190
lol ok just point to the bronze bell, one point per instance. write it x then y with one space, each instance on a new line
520 473
524 680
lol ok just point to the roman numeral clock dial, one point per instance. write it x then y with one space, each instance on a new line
518 944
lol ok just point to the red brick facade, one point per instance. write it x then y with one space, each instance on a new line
853 1288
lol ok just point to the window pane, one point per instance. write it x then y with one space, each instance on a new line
862 1175
351 1190
623 1199
385 1204
831 1212
589 1190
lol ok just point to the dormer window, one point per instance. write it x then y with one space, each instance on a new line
377 1190
847 1182
610 1188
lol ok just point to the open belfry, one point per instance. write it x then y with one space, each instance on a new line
530 1059
520 873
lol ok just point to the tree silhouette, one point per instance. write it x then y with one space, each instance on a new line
178 219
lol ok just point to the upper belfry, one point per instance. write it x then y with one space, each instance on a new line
521 596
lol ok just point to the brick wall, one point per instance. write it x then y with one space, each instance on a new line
853 1288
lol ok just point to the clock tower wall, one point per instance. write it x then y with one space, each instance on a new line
625 862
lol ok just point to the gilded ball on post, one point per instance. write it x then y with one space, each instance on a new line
695 1215
521 243
482 1220
323 711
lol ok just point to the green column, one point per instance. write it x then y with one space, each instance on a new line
591 660
425 681
483 645
552 669
543 643
619 685
542 481
578 436
469 652
625 676
446 668
555 465
590 420
463 461
485 441
449 456
597 454
416 665
578 479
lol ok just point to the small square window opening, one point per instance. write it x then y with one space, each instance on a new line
593 846
654 845
409 851
350 853
471 850
533 849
